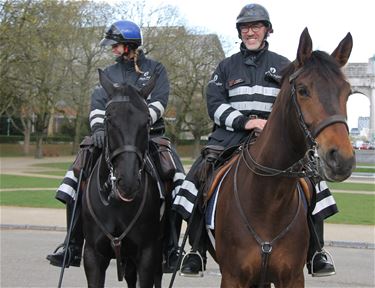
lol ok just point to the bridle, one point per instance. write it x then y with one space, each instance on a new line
308 165
337 118
109 157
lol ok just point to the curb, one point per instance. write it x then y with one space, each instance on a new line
31 227
332 243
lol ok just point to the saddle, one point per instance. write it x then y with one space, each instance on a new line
161 153
85 157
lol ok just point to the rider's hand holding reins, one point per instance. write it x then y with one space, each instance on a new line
98 138
255 124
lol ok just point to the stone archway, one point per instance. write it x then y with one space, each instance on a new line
362 78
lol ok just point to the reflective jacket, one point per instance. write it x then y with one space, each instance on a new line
243 85
124 71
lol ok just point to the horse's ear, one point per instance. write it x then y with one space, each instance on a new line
304 47
146 90
342 52
106 83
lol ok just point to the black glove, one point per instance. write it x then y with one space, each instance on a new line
98 138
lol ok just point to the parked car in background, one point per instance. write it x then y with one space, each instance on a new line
365 146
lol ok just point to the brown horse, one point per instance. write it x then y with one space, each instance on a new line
261 229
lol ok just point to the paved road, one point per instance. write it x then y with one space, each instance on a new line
23 264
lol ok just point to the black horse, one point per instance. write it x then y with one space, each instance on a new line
121 205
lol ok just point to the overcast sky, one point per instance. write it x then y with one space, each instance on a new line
328 22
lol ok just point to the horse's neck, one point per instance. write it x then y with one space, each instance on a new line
281 143
279 146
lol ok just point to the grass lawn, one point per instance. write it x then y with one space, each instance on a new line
35 199
60 166
354 209
352 186
15 181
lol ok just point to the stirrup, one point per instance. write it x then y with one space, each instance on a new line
329 259
201 273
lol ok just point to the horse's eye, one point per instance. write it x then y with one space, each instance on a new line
303 91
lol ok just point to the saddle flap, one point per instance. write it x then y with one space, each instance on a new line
218 174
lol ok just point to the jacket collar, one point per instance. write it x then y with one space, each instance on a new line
251 56
129 64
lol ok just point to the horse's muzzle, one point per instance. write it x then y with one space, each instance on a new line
336 167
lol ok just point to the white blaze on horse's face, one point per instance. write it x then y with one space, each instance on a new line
322 94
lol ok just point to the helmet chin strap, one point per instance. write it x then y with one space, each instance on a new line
125 54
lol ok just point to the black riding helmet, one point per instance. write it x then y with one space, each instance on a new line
123 31
253 13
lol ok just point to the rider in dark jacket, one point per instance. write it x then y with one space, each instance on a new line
242 88
240 96
134 68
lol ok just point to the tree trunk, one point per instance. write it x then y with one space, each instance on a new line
39 146
77 134
26 138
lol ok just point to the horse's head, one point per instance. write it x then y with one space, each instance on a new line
320 93
127 132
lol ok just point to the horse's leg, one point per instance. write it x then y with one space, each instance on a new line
147 266
95 267
291 281
227 281
130 273
158 270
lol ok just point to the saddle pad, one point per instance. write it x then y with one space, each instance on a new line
211 205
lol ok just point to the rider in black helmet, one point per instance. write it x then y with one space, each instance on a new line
250 77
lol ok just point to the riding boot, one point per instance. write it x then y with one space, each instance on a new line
319 262
194 262
172 249
75 244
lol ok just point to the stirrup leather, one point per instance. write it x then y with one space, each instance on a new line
200 274
329 259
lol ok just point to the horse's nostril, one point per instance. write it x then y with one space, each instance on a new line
333 154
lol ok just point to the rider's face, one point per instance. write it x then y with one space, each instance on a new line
118 49
253 34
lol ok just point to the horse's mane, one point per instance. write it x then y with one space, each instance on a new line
320 62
